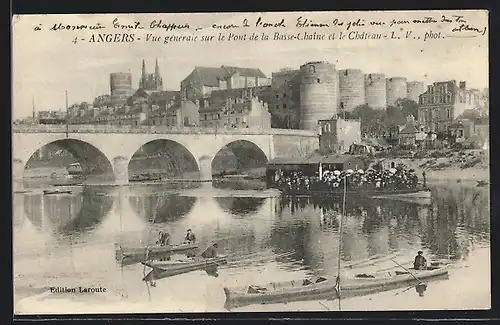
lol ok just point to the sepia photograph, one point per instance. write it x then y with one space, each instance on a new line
250 162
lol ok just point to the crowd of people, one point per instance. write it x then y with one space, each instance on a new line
370 180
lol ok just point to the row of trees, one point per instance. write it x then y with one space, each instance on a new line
373 121
378 122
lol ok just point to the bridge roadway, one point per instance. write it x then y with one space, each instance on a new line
115 145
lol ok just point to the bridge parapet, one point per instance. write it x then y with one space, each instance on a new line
154 129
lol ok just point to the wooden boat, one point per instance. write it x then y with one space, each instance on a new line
323 288
138 252
56 191
418 193
68 184
415 193
142 178
171 268
482 183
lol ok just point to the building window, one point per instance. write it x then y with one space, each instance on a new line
312 69
237 120
218 116
277 96
153 122
318 80
448 113
205 116
277 106
284 105
136 123
186 121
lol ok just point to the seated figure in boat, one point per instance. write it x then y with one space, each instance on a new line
190 237
164 238
210 252
420 261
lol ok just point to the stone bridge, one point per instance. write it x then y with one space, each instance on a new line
112 147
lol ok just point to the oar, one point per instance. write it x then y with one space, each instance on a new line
410 287
413 275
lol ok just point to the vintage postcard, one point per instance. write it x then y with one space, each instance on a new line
247 162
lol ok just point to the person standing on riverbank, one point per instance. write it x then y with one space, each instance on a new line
424 178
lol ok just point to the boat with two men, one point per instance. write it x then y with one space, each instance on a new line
154 250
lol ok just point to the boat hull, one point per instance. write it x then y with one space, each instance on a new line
46 192
238 297
167 268
421 193
138 252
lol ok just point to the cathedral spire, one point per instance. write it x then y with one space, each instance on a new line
157 69
142 82
157 77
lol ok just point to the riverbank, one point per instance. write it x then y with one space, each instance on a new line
446 174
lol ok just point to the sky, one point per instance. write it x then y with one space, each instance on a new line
47 63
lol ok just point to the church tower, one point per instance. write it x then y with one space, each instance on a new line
157 77
142 83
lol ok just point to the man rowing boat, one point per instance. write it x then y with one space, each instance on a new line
420 261
210 252
164 238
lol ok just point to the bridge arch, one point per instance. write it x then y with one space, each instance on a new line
237 156
92 160
165 158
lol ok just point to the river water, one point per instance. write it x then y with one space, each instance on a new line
71 241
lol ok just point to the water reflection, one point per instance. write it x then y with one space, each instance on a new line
168 209
240 206
457 219
67 214
371 227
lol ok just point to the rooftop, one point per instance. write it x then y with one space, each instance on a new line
210 76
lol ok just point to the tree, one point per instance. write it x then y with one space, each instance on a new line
470 114
373 122
408 107
395 116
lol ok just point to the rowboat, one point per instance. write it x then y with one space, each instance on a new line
140 178
420 194
56 191
323 288
170 268
138 252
